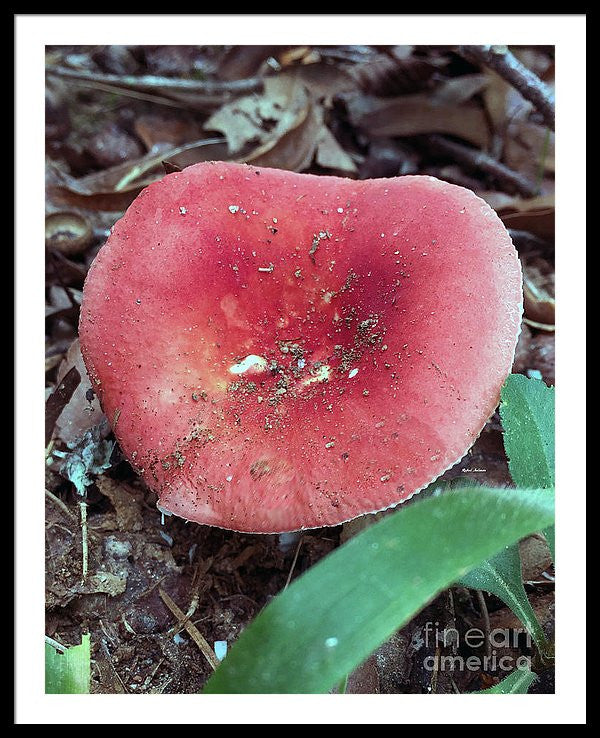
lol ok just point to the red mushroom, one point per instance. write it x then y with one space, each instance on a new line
281 351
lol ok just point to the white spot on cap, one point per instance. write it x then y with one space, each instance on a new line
352 373
253 362
182 210
233 208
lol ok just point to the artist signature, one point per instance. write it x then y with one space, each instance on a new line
470 471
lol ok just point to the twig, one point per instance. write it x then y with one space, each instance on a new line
150 82
84 539
479 160
55 644
194 633
133 94
506 64
486 621
112 666
453 683
60 504
292 567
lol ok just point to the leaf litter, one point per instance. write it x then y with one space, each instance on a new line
358 111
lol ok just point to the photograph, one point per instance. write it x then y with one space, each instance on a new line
299 341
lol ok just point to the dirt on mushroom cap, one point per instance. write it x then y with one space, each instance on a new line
291 351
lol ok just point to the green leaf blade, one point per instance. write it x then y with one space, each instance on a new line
69 672
330 619
501 575
527 413
516 683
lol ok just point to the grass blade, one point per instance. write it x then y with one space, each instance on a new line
516 683
330 619
501 575
68 672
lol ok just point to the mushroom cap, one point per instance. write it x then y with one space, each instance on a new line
279 351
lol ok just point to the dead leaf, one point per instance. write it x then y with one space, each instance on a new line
386 75
80 413
535 215
245 61
127 502
330 155
412 115
114 189
103 583
457 90
324 81
262 118
59 398
155 129
538 290
505 619
529 148
503 103
296 149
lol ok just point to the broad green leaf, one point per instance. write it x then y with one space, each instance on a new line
501 575
516 683
331 618
69 672
527 412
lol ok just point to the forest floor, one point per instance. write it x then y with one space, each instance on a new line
355 111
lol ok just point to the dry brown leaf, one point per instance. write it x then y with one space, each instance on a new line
244 61
503 103
80 414
114 189
262 118
95 191
324 81
529 148
330 155
457 90
538 290
535 215
294 150
295 139
295 54
103 583
127 502
504 619
155 129
412 115
386 75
